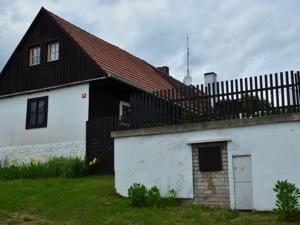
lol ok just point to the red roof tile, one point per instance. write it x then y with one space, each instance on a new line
117 62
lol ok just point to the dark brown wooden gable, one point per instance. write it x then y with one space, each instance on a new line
74 65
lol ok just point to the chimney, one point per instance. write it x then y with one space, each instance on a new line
210 78
163 69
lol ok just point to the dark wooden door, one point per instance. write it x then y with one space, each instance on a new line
100 145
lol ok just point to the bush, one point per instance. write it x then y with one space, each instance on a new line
137 194
287 195
55 167
140 196
154 198
75 168
171 199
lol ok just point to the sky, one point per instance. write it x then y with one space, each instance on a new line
230 37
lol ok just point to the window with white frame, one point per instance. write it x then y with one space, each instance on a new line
34 55
53 51
124 108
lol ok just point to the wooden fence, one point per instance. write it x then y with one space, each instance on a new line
234 99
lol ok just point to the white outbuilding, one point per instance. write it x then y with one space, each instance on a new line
230 163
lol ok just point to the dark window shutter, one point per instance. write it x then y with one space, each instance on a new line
210 159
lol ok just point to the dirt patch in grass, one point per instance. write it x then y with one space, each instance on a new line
23 219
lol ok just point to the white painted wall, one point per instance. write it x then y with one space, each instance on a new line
24 153
67 114
165 159
153 160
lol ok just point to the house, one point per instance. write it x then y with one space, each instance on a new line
59 77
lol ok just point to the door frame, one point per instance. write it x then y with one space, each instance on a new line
233 177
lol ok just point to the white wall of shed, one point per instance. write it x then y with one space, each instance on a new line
165 159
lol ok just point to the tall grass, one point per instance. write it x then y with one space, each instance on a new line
55 167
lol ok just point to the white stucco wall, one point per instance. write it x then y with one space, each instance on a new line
165 159
65 131
42 152
153 160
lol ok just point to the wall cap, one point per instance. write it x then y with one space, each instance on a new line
291 117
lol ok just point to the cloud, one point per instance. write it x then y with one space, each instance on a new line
233 38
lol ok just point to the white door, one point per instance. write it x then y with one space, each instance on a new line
242 173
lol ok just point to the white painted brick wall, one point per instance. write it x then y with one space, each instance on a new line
43 152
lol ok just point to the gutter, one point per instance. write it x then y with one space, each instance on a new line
109 75
52 87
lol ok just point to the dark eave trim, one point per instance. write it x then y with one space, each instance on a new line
52 87
111 76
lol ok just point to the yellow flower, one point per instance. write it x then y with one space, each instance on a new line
93 162
15 162
34 161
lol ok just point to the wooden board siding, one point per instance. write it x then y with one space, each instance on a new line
73 65
105 96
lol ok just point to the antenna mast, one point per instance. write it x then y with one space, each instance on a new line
187 80
187 56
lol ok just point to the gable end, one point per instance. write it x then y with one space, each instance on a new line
73 66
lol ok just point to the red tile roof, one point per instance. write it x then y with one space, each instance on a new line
117 62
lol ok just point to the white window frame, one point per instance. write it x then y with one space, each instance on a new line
53 51
123 103
34 55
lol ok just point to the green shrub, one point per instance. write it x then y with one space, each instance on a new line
32 171
55 167
75 168
8 173
137 194
287 195
171 198
153 123
172 194
154 198
140 196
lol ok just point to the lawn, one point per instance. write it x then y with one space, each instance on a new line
92 200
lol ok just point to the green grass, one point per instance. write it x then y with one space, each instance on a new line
92 200
55 167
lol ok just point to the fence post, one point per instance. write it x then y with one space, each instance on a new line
298 90
282 93
293 92
288 91
272 93
267 95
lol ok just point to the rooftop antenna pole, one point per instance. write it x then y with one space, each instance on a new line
187 56
187 80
